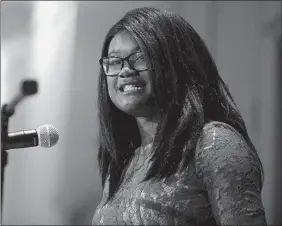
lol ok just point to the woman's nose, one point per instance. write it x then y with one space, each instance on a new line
127 71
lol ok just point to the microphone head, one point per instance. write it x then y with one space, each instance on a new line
48 136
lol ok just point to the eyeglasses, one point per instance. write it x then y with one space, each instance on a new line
112 65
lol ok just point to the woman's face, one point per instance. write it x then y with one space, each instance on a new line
130 91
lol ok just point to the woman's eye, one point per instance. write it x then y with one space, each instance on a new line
139 57
114 61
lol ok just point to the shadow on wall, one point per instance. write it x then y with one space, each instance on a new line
12 25
83 215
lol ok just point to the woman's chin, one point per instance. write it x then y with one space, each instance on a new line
135 108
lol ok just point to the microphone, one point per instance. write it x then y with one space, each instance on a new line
45 136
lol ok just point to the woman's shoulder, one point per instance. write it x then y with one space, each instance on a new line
231 173
221 148
220 128
215 135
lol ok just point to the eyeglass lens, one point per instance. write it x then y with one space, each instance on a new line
113 65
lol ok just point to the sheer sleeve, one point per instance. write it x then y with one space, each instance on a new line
231 174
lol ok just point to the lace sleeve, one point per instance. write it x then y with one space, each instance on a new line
231 174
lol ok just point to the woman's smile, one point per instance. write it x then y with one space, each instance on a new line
131 87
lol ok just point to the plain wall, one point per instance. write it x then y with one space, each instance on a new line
62 185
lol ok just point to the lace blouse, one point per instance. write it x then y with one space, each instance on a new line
219 187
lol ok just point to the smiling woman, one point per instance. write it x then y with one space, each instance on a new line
174 149
129 81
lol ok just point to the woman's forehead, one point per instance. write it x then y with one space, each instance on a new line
123 43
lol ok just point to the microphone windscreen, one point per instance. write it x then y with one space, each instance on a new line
48 136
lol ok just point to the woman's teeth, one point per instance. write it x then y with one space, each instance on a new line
131 87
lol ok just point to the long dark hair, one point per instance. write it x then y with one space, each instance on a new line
187 89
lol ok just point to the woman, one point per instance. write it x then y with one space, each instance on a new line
174 149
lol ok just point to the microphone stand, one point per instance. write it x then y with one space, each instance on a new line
28 87
6 113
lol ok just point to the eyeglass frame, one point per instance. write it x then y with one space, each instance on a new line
123 59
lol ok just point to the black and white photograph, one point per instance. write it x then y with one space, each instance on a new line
141 113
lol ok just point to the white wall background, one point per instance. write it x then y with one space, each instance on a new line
59 44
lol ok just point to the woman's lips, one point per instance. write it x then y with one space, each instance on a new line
132 86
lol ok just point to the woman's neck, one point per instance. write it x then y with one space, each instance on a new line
147 128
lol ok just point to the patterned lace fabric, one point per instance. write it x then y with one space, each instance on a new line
219 187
